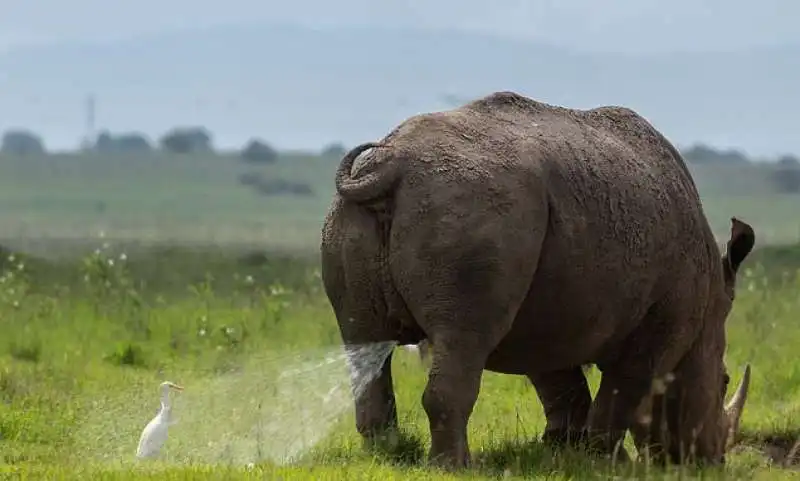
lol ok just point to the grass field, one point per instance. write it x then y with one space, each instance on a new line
85 344
48 203
159 199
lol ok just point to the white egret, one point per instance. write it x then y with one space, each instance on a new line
155 433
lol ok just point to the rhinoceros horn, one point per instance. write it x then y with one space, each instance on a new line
734 408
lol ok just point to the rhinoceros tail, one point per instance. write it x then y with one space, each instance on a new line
369 186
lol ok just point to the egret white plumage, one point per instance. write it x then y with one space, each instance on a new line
155 433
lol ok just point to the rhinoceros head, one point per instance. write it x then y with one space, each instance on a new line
714 439
739 246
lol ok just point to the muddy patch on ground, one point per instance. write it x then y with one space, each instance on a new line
780 448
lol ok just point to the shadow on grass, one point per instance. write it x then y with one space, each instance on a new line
404 450
529 459
781 446
533 459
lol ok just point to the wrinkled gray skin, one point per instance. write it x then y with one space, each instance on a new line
530 239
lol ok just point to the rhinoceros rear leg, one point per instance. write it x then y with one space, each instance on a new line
463 334
375 407
450 395
362 325
463 271
566 399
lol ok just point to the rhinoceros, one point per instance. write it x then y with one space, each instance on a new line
531 239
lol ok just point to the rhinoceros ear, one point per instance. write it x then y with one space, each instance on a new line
742 240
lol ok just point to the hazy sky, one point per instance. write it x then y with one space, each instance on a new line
583 24
33 92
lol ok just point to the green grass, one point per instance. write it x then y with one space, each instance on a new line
48 202
85 344
160 198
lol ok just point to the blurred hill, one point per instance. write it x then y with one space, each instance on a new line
302 87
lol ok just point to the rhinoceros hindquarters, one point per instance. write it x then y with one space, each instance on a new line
351 273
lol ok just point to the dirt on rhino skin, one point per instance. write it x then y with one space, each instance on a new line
531 239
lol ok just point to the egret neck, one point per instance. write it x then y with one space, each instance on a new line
166 403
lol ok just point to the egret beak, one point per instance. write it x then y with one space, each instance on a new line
175 386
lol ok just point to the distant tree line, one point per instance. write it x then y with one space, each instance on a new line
191 140
785 174
194 140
